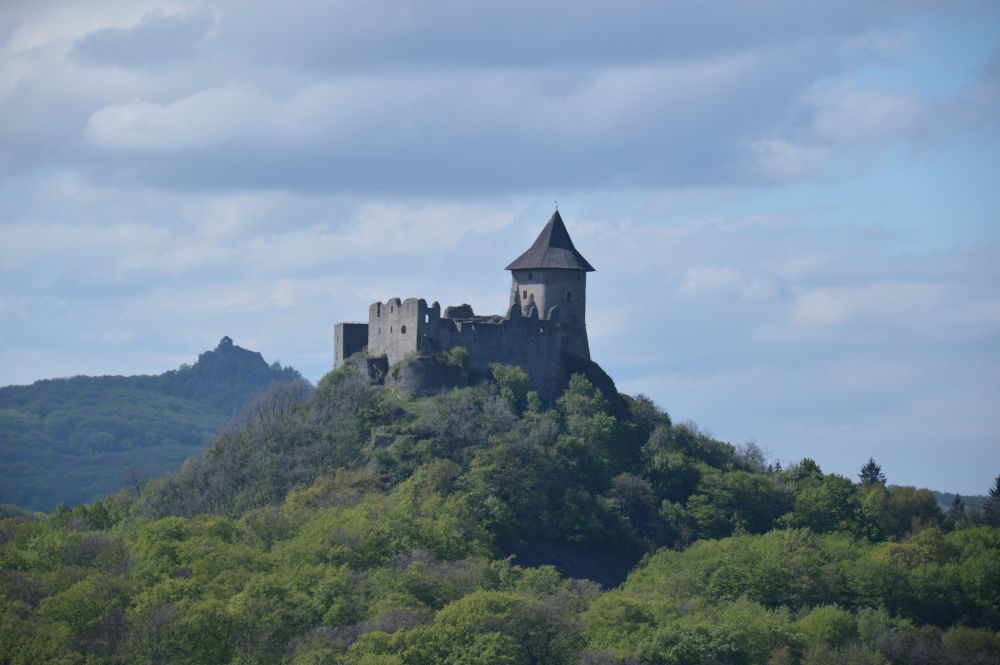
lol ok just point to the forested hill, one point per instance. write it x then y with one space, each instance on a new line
362 526
77 439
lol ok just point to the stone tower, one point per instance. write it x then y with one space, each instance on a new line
550 281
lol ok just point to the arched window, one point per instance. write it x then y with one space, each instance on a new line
427 318
525 294
402 330
569 296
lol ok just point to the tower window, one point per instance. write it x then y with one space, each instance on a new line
378 309
427 318
569 296
524 295
402 330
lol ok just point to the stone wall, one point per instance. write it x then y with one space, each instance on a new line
393 327
348 339
408 329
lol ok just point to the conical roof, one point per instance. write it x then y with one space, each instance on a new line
552 249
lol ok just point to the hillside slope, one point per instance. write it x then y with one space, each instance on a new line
76 439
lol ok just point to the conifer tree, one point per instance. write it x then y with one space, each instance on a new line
991 511
956 514
871 473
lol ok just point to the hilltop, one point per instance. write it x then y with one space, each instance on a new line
77 439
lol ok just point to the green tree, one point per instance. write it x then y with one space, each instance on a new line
956 512
829 505
514 384
871 473
828 625
991 511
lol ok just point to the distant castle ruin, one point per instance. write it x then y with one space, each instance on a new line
544 330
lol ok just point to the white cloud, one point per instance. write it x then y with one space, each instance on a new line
845 114
208 117
726 281
782 161
903 303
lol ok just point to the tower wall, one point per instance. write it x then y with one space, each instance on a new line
548 288
559 294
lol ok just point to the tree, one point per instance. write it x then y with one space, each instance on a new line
514 384
871 473
991 511
136 478
956 514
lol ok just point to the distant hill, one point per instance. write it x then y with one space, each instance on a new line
945 499
79 439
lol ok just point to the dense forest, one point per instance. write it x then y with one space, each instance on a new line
74 440
356 524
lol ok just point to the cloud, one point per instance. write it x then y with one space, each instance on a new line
726 281
779 160
451 100
902 302
843 115
206 118
158 39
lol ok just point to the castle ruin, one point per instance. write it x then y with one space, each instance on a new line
544 330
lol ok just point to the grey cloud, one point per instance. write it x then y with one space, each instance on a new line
672 124
361 35
157 39
448 98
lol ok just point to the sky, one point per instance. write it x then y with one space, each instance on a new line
793 206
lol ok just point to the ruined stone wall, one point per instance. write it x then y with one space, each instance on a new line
534 345
348 339
398 328
395 326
